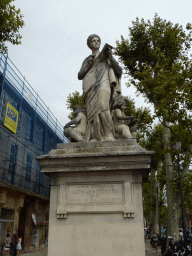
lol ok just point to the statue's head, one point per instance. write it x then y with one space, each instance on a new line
120 101
90 40
79 109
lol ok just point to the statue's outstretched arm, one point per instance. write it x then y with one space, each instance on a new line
85 66
122 117
74 121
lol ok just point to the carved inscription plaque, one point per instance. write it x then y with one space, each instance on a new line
97 193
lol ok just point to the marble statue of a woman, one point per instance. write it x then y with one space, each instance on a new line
101 82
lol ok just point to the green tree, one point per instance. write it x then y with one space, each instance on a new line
153 141
74 100
144 116
11 20
156 58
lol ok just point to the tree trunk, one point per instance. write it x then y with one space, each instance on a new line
184 172
186 162
154 210
173 220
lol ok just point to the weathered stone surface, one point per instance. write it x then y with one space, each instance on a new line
97 193
101 75
75 129
119 155
96 198
125 126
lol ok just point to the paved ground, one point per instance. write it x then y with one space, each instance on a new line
39 252
149 251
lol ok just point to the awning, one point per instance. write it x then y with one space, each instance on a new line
37 221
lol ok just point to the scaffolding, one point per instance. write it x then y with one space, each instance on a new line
37 133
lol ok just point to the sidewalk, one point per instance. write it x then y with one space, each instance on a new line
38 252
149 251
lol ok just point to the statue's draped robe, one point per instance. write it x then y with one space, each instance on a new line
100 84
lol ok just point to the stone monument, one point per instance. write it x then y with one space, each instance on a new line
96 180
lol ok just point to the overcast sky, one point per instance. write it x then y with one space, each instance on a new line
55 35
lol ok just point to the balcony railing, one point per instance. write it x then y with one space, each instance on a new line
35 183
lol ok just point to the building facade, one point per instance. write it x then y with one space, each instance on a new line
27 129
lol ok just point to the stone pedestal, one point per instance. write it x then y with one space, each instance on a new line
96 198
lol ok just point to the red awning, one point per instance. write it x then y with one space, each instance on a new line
39 222
42 223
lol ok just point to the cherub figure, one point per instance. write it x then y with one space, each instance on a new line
76 133
124 125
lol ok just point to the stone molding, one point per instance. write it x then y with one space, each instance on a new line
97 156
123 197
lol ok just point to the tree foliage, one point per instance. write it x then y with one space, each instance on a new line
11 20
156 59
143 114
74 100
153 141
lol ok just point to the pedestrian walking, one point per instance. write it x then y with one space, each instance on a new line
155 239
19 248
163 231
181 234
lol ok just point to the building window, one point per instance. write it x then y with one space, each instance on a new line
28 127
28 171
38 177
50 142
19 121
7 217
3 104
39 137
12 163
